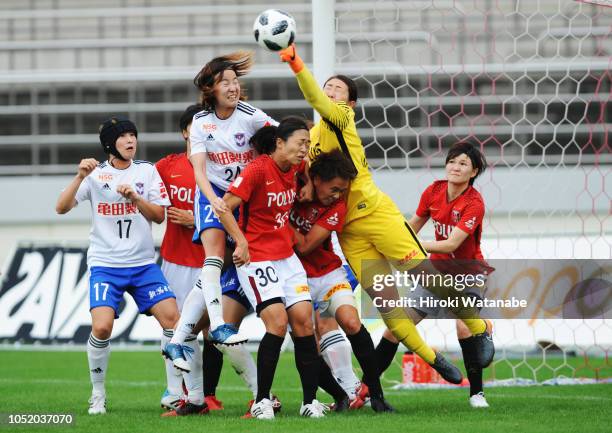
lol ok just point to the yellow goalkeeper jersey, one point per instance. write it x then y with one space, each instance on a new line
337 130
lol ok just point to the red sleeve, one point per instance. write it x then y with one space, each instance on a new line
472 216
423 209
333 218
161 167
249 179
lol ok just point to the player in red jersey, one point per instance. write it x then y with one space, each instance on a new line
313 224
457 210
269 271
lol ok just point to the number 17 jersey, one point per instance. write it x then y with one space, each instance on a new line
120 236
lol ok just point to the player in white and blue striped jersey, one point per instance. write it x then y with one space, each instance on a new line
125 196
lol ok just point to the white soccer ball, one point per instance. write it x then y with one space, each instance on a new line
274 29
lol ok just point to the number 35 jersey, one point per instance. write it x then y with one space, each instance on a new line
120 236
226 141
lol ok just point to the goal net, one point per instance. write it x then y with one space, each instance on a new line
528 82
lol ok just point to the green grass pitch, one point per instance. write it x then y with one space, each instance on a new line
58 382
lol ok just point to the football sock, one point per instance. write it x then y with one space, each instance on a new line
474 371
328 383
174 378
267 360
193 308
307 363
404 329
385 353
243 364
212 364
211 287
98 352
337 353
364 351
193 379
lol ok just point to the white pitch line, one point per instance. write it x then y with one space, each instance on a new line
125 383
554 397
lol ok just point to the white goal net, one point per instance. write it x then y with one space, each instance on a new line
527 81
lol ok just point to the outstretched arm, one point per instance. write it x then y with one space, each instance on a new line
337 113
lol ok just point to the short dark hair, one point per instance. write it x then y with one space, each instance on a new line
350 83
188 114
240 62
264 140
111 129
476 156
330 165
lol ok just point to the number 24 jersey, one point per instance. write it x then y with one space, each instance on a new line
226 141
120 236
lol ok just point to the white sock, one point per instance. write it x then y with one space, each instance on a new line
98 352
337 353
193 308
211 287
243 364
174 378
194 380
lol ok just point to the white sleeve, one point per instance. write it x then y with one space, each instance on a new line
261 119
197 138
84 191
157 193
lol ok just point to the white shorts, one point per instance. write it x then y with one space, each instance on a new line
332 289
285 279
181 280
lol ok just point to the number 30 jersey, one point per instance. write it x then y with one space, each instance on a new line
226 141
120 236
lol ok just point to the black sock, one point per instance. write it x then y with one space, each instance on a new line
364 351
474 371
328 383
385 353
267 360
307 363
211 367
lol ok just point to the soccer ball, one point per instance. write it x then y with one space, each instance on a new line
274 29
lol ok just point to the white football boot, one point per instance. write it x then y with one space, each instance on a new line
97 404
478 400
313 410
171 401
263 410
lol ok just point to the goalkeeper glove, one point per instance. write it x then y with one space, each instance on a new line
290 56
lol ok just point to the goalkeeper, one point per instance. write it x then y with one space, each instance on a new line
375 233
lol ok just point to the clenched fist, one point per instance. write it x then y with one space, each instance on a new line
86 166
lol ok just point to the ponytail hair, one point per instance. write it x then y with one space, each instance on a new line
240 62
264 140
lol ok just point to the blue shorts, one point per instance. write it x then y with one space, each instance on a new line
146 284
230 287
204 217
